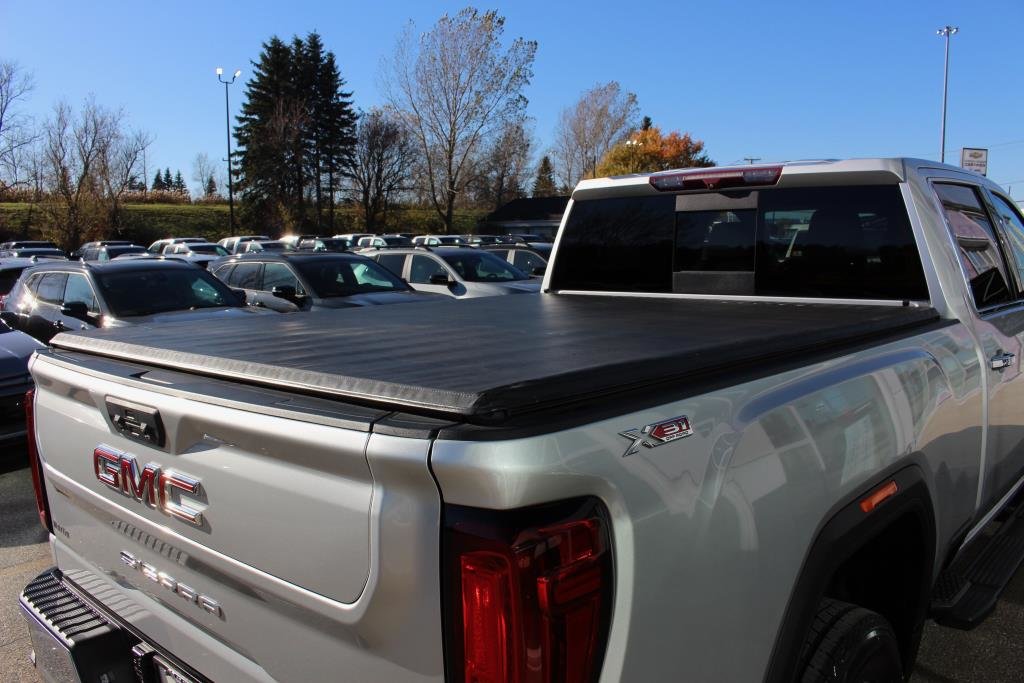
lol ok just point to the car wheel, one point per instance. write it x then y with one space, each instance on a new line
850 644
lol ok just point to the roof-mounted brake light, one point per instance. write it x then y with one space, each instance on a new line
716 179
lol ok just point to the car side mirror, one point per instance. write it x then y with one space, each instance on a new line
75 309
240 293
539 271
440 279
283 291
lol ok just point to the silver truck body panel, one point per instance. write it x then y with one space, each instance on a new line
348 568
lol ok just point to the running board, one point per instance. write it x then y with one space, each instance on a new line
967 591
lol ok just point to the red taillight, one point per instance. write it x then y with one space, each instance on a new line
34 464
716 178
527 592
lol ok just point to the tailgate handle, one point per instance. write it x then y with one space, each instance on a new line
136 422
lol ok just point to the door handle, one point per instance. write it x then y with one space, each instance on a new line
1002 360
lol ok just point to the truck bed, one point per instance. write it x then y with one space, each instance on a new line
483 360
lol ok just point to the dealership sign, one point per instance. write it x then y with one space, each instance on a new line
974 159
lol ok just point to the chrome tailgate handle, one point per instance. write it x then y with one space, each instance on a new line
1002 360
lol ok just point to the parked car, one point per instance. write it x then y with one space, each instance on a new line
384 242
353 237
324 244
524 258
158 246
109 252
77 253
313 280
28 244
484 240
712 449
76 295
197 253
293 240
15 350
438 240
459 272
232 243
30 252
269 245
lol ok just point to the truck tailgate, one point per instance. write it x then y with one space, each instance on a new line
283 533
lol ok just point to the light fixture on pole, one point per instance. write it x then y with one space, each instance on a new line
947 32
227 119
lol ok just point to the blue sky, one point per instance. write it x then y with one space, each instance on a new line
776 80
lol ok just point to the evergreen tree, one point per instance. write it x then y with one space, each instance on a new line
211 187
168 182
179 183
158 182
295 133
544 184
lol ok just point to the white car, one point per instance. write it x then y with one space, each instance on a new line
459 272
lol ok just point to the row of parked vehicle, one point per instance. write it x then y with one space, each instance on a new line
113 284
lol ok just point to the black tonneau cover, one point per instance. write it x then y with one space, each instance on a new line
482 360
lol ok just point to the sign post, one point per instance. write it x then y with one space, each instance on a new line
974 159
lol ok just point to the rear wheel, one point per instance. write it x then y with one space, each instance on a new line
850 644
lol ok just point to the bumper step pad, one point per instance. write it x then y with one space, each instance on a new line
967 591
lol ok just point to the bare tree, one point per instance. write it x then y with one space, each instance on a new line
504 168
602 117
456 87
16 130
381 164
88 162
204 169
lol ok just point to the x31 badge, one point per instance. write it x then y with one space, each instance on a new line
657 434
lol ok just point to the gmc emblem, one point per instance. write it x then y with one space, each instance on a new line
152 485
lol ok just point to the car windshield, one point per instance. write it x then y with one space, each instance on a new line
159 290
481 266
34 251
397 241
270 246
334 277
214 249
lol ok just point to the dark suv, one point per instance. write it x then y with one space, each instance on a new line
310 280
70 295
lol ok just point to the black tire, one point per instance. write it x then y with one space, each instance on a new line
849 644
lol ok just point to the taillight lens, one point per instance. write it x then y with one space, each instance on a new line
716 178
527 592
34 464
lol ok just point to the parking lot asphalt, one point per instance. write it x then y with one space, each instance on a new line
993 652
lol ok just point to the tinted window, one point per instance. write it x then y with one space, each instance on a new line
245 276
331 277
114 252
1013 229
526 261
422 268
482 266
280 275
51 288
145 292
835 242
975 236
224 272
7 279
78 290
393 262
214 249
618 244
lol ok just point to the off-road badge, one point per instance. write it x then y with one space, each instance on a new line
657 434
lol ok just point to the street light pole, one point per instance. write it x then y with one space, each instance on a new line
947 32
227 120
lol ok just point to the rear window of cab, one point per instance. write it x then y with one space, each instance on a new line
850 242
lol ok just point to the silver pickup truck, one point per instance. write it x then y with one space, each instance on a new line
761 423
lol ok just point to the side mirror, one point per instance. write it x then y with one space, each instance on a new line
75 309
539 271
440 279
283 291
240 293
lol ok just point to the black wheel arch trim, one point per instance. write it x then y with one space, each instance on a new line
848 530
